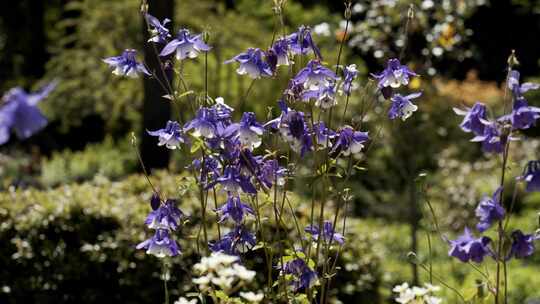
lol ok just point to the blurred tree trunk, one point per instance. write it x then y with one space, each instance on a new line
156 110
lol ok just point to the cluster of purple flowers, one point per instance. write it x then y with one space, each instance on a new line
19 112
494 135
165 218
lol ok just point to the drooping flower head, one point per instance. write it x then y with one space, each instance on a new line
523 116
532 176
232 181
492 139
278 54
303 276
394 75
489 211
19 112
160 245
271 173
159 32
314 76
126 64
402 106
467 248
350 141
204 124
475 118
328 233
294 129
232 243
252 63
248 131
517 89
171 136
185 45
522 244
350 73
325 96
166 216
323 135
301 42
222 111
234 209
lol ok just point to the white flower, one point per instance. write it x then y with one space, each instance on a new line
252 297
183 300
432 288
432 300
406 296
243 273
202 281
419 291
401 288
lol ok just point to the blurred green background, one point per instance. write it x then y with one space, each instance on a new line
72 200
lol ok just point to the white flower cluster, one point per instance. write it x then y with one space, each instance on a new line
417 295
223 271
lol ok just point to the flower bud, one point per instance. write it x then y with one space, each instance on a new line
155 201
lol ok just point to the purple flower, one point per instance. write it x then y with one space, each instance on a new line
492 139
314 76
222 111
402 106
232 242
489 210
185 46
271 172
278 54
467 248
394 75
532 176
303 276
160 245
234 209
19 112
294 129
350 73
517 89
126 64
350 141
233 181
475 118
159 32
248 131
522 244
166 216
252 63
328 234
171 136
204 124
301 42
323 135
324 96
523 116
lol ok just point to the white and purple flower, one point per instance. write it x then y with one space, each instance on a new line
314 76
171 136
350 73
234 209
159 32
532 176
248 131
185 45
166 216
467 248
350 141
402 106
160 245
328 233
301 42
394 75
252 63
475 118
127 64
489 211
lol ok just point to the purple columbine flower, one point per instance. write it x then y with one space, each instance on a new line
323 135
402 106
522 244
394 75
314 76
532 176
303 276
171 136
234 242
19 112
234 209
324 96
166 216
301 42
160 245
233 181
204 124
159 32
523 116
210 170
492 139
222 111
185 45
248 131
126 64
467 248
350 73
517 89
328 233
271 173
293 128
278 54
475 118
489 211
252 63
350 141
